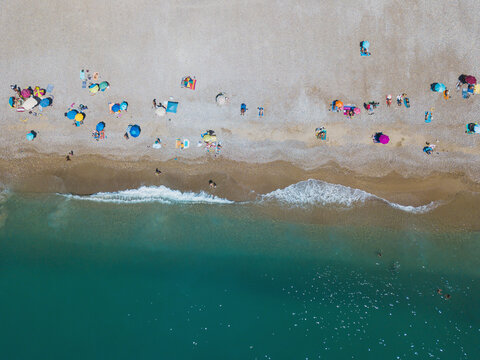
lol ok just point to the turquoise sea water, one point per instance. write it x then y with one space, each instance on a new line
93 280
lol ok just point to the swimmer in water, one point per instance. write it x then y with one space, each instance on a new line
447 296
439 291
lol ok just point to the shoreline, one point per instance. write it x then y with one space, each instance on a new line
237 181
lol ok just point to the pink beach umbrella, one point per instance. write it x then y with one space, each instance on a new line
356 111
26 93
384 139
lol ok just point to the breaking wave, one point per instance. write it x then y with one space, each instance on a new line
316 192
161 194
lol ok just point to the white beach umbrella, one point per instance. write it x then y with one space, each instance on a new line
221 99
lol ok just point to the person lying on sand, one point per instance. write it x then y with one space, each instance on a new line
157 171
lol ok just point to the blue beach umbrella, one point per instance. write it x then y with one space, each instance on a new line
45 102
30 136
71 114
135 131
100 126
366 44
124 106
438 87
116 107
11 101
103 85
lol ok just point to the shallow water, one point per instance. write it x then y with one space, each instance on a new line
82 279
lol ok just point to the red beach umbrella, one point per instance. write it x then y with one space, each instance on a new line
470 79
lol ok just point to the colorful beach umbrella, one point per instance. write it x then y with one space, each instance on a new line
383 139
103 85
338 104
45 102
100 126
94 88
71 114
124 106
11 101
470 79
135 131
79 117
38 92
26 93
357 110
30 136
116 107
438 87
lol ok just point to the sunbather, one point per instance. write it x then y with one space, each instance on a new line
399 100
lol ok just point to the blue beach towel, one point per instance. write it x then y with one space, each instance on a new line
428 117
49 88
465 94
172 107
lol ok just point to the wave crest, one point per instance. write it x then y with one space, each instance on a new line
160 194
317 192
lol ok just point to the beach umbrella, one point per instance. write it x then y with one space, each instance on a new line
383 139
103 85
71 114
476 129
366 44
11 101
100 126
30 136
221 99
116 107
124 106
356 111
38 92
26 93
79 117
135 131
438 87
161 111
338 104
94 88
470 79
45 102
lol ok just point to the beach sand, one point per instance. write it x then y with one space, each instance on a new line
291 59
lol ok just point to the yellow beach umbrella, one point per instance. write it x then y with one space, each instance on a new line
94 88
79 117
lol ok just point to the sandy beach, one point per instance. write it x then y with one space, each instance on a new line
291 59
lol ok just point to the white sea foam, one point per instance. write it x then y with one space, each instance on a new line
316 192
161 194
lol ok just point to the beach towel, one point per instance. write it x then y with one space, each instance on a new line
465 94
406 101
95 76
49 88
82 74
84 84
186 143
172 107
110 105
178 143
428 117
476 89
